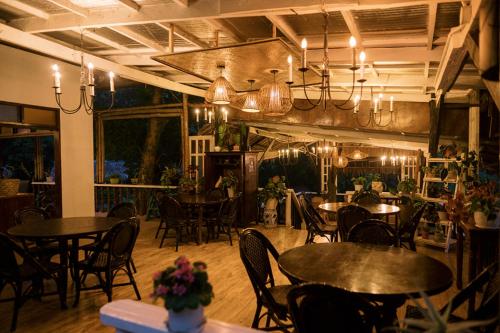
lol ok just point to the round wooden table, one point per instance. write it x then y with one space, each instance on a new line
381 273
65 229
374 209
199 200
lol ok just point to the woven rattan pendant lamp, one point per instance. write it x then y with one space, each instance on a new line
251 99
220 91
275 99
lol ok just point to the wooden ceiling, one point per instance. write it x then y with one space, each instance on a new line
405 40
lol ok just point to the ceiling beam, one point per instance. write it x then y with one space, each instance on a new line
26 8
227 29
69 6
103 40
187 36
58 51
431 24
285 28
141 39
130 4
184 3
352 25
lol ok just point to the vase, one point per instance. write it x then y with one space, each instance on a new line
114 180
217 148
378 186
270 213
480 219
186 321
358 187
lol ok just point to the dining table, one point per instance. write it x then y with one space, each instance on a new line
376 209
380 273
63 230
199 201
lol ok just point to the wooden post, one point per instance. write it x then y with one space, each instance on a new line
171 37
474 111
100 157
39 172
434 107
185 132
488 40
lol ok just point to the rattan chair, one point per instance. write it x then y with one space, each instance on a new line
319 308
254 252
406 232
373 231
228 216
349 216
366 197
111 255
30 271
315 224
176 219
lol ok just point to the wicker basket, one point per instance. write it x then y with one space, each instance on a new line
9 187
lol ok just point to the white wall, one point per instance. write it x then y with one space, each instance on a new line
27 78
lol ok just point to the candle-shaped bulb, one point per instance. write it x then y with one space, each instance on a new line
55 68
303 44
290 68
90 78
352 42
356 103
205 114
197 112
289 59
111 81
57 82
90 66
391 105
375 109
362 56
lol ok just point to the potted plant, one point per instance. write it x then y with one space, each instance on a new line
185 290
114 179
359 183
8 186
229 183
485 205
169 176
377 184
407 186
438 233
274 190
187 184
424 231
442 213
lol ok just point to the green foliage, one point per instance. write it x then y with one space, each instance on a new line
484 199
408 185
169 176
275 188
359 180
229 180
183 286
376 177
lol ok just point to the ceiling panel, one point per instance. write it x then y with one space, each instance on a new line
312 24
392 19
448 16
252 27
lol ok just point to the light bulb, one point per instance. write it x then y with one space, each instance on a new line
55 68
362 56
90 65
111 75
289 59
352 42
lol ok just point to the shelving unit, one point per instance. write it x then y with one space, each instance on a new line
448 240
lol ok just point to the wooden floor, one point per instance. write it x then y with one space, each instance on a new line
234 300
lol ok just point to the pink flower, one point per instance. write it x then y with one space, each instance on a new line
179 289
189 277
161 290
157 275
181 261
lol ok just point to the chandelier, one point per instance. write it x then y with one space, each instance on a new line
325 87
376 111
325 150
87 80
341 161
288 156
209 115
275 99
220 92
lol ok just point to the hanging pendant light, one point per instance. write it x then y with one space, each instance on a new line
340 162
220 91
275 99
251 103
357 155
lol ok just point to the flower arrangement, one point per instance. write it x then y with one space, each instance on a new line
275 188
183 286
484 199
359 180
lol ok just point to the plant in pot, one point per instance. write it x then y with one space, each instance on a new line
407 186
442 212
114 179
359 183
485 205
377 184
8 186
229 183
185 290
169 176
274 191
187 184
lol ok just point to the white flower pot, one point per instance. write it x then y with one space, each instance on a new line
186 321
358 188
217 148
378 186
480 219
270 213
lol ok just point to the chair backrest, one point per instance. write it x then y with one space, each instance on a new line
366 197
318 308
31 214
229 209
411 226
406 211
171 210
254 253
9 268
123 210
215 194
349 216
373 231
311 220
309 206
118 244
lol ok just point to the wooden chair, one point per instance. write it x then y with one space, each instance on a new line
406 232
31 270
228 216
315 224
254 252
319 308
349 216
175 217
373 231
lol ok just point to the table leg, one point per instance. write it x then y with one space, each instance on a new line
63 258
200 224
460 256
76 269
472 269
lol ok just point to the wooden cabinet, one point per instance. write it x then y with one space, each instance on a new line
244 166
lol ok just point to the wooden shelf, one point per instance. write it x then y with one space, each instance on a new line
438 180
442 160
432 242
437 200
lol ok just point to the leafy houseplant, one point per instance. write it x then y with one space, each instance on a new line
442 212
185 290
114 178
377 184
407 186
485 205
359 183
191 185
229 182
169 176
274 190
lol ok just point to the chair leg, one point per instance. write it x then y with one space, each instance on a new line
109 285
229 234
132 281
17 305
163 237
268 319
159 228
256 317
133 265
177 238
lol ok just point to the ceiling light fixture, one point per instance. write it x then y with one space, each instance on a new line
275 99
376 110
251 103
220 91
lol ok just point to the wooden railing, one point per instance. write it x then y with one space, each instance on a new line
108 195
